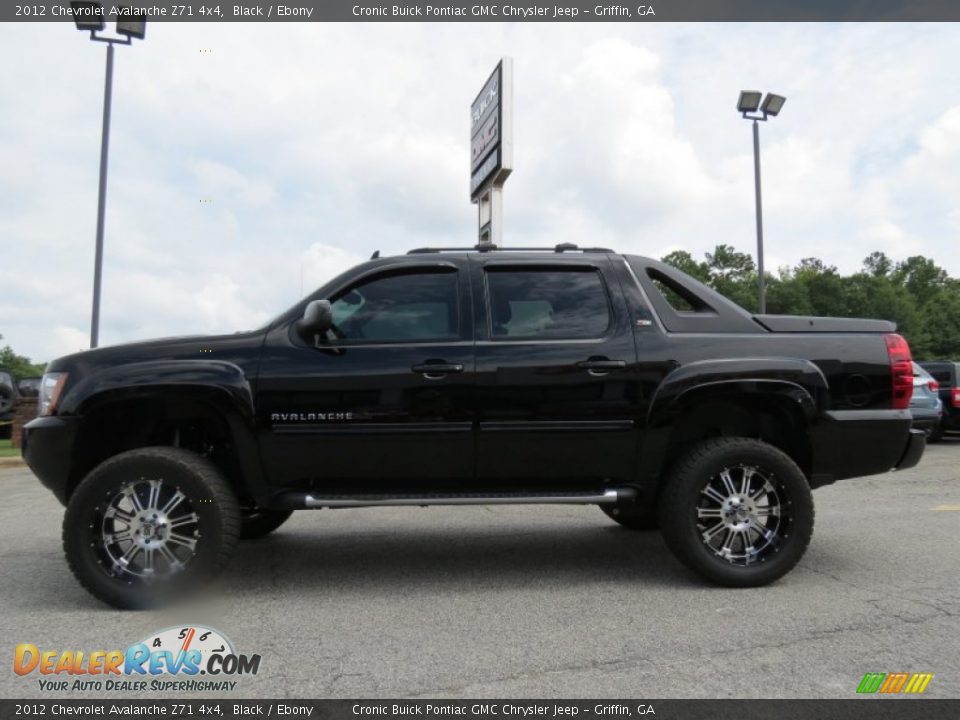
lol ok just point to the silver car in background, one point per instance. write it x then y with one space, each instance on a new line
926 406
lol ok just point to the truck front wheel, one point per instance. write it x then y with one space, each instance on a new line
737 511
148 525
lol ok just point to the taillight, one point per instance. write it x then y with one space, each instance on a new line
933 386
955 396
901 370
51 387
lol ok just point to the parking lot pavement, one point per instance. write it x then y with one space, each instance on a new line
535 601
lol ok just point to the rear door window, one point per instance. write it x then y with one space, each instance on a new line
547 303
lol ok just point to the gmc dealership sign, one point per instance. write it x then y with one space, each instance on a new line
491 144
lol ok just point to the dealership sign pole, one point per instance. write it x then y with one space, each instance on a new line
491 151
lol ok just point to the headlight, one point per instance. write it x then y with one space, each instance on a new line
50 388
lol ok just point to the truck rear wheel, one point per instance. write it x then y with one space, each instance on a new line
737 511
149 525
257 523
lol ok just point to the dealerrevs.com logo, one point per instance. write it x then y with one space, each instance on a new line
172 660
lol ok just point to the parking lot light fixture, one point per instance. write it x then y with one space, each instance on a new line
89 16
132 28
749 101
772 104
750 107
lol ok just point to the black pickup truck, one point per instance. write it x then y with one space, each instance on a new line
472 376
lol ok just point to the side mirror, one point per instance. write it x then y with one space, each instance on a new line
317 319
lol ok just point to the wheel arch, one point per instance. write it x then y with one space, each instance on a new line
206 407
772 399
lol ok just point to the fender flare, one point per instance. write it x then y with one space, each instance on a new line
797 380
219 384
153 375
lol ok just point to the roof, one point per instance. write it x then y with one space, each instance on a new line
561 248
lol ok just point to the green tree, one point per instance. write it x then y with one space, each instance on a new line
880 297
683 261
922 277
941 320
734 274
786 296
824 287
916 293
18 365
877 264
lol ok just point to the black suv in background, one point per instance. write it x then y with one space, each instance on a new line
29 387
8 396
946 373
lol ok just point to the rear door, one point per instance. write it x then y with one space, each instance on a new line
556 373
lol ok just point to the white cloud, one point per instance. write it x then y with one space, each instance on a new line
68 340
217 180
317 144
221 306
321 263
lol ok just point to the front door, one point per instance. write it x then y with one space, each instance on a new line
388 400
556 374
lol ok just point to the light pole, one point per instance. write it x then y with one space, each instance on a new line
750 107
90 16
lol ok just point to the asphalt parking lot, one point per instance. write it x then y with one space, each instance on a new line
535 601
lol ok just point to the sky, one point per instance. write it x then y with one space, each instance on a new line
249 163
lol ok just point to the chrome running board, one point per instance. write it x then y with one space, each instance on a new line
302 501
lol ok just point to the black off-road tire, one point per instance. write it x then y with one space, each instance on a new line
216 528
681 496
8 398
631 516
256 523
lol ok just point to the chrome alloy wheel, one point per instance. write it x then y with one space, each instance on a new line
743 515
149 530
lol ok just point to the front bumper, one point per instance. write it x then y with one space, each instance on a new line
48 444
854 443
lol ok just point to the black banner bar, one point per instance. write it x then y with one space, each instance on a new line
856 709
519 11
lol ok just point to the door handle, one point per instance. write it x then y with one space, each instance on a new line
599 367
437 370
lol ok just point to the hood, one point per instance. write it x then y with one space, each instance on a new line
236 347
